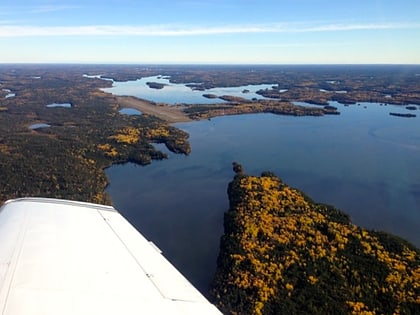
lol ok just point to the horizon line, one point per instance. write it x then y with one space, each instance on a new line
205 64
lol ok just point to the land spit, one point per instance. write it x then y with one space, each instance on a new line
169 113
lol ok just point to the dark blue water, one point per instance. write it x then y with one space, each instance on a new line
364 161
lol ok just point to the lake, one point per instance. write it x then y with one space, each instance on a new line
364 162
173 93
54 105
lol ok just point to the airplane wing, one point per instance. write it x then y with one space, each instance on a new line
67 257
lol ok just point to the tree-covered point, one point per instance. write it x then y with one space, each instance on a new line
281 253
65 156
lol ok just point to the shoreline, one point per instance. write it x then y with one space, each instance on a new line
171 114
187 113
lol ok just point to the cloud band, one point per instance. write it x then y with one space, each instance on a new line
168 30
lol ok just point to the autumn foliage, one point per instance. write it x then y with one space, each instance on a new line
66 157
284 254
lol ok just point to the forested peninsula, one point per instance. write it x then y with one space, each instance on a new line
282 253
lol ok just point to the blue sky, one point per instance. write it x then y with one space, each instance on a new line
210 31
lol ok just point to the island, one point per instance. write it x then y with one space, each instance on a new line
197 112
156 85
210 96
283 253
406 115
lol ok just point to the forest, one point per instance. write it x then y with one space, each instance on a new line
65 157
283 253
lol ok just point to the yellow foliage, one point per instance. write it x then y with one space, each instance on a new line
160 132
272 215
4 149
104 147
128 135
312 279
108 149
360 308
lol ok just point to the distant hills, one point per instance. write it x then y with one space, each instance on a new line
282 253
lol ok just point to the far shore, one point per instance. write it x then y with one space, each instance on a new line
187 113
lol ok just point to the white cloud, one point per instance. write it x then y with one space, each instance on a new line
19 11
171 30
51 8
357 27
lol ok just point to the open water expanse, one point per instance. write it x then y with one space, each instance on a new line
364 161
173 93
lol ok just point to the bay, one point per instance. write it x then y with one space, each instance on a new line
364 161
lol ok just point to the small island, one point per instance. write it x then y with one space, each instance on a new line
234 99
407 115
282 253
156 85
210 96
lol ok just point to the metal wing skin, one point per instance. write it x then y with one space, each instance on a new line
67 257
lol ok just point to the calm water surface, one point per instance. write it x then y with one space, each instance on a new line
53 105
130 111
173 93
364 161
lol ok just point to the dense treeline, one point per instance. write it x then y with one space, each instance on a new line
284 254
66 159
261 106
316 84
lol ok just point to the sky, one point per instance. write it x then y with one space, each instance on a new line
210 31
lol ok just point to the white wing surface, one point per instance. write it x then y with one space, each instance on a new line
67 257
